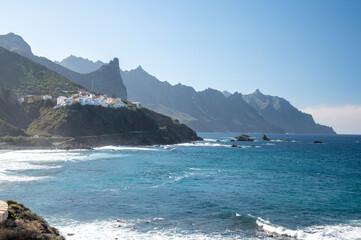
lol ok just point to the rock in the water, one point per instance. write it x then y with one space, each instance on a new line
235 146
233 140
244 138
317 142
284 140
265 138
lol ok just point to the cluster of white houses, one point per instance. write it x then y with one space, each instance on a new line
83 98
86 98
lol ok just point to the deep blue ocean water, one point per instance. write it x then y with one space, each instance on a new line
205 190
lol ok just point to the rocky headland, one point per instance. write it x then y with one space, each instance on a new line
23 224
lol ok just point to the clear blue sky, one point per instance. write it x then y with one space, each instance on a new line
308 52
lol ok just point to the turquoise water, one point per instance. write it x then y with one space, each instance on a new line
206 190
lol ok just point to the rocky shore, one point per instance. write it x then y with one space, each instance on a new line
23 224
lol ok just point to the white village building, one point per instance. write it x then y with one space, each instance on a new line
85 98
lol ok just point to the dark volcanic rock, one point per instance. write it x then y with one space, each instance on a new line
284 140
244 138
235 146
265 138
317 142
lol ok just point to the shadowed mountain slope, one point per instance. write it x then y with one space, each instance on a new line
107 79
280 112
208 110
79 64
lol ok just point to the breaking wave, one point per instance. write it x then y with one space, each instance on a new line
351 231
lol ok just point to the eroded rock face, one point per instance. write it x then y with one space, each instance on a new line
24 224
265 138
244 138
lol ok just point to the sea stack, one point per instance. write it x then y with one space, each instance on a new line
244 138
265 138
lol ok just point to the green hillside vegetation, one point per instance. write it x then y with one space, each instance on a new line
6 129
27 77
23 224
77 120
96 126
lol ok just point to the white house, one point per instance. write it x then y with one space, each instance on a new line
60 101
137 104
90 99
45 97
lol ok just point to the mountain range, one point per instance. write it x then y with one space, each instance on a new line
209 110
79 64
106 79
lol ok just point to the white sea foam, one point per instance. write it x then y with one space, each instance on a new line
173 179
14 163
351 231
201 144
126 148
126 230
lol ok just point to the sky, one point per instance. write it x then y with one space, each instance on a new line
307 51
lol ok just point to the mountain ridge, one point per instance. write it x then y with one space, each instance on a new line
15 43
207 110
278 110
80 65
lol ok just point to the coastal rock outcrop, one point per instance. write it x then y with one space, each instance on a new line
265 138
23 224
235 146
244 138
99 126
317 142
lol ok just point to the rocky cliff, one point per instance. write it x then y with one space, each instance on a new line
280 112
98 126
23 224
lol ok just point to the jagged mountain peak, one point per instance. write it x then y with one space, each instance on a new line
113 63
15 43
79 64
226 93
258 92
139 68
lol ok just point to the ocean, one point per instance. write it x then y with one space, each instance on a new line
203 190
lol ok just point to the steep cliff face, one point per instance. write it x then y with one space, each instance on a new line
110 81
281 113
97 126
106 79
